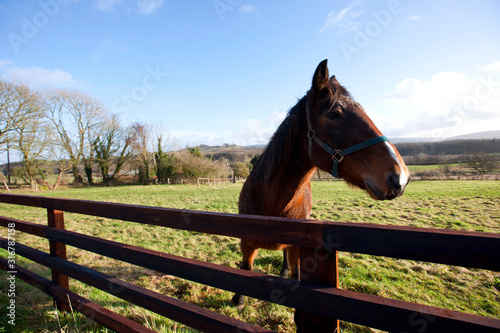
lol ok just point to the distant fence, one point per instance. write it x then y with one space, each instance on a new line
197 181
214 181
317 298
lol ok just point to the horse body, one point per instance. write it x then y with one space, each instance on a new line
319 130
269 192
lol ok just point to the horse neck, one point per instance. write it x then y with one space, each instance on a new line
285 170
292 197
295 169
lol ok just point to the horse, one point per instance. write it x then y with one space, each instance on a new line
325 130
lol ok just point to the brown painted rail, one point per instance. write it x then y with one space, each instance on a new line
90 309
451 247
179 311
433 245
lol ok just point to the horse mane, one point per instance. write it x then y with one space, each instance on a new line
285 138
280 144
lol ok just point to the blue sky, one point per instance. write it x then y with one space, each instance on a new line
227 71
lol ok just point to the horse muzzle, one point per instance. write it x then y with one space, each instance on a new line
394 186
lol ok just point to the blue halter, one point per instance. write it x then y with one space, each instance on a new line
337 154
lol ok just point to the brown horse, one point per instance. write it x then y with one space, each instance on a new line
328 130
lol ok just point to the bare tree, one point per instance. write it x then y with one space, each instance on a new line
60 156
15 105
145 138
31 132
141 139
112 148
76 117
7 102
482 162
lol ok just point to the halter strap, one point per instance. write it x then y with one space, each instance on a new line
337 154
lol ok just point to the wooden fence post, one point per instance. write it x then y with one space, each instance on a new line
56 220
318 266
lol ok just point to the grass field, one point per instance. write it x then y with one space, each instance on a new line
461 205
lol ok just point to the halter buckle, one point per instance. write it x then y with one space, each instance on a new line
337 156
311 133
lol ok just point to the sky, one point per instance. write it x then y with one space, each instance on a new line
228 71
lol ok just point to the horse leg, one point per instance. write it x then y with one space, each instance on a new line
293 261
285 269
249 252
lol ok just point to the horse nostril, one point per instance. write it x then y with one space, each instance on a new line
394 182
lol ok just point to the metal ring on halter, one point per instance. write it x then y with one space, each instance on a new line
311 133
337 155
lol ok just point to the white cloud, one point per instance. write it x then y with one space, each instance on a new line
107 5
148 6
412 21
144 7
445 105
490 67
332 19
5 62
38 76
242 132
343 18
247 9
259 131
189 138
435 94
106 45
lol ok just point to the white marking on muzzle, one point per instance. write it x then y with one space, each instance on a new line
403 177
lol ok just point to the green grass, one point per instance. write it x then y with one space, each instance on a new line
428 167
460 205
425 167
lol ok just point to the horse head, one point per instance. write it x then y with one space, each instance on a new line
343 140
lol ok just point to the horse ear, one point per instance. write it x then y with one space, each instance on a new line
321 76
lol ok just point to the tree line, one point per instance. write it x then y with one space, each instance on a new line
450 147
73 129
481 155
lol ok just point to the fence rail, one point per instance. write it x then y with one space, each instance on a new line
318 240
214 181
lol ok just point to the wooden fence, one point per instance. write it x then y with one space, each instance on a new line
214 181
317 298
198 181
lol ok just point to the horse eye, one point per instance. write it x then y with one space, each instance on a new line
332 115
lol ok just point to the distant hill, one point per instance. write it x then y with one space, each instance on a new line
231 152
413 140
479 135
458 145
487 135
407 146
